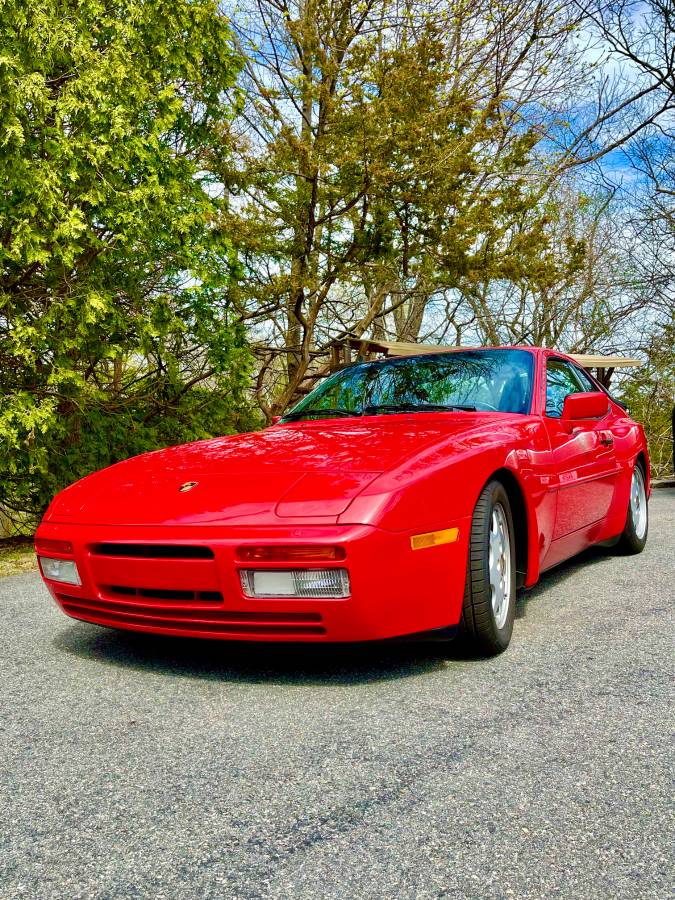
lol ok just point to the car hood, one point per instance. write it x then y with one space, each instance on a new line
310 470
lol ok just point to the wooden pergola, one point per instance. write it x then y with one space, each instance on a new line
349 350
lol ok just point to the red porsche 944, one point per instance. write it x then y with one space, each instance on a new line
405 495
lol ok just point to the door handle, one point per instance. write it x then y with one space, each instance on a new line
606 439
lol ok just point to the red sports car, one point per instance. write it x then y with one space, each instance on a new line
405 495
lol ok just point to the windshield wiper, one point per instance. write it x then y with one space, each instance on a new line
416 407
324 413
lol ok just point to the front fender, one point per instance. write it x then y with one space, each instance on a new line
441 486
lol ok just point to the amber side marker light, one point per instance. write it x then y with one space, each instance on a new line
434 538
297 553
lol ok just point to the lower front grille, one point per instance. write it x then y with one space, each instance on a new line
213 622
153 551
118 590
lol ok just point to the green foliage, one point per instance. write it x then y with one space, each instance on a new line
650 395
115 336
395 164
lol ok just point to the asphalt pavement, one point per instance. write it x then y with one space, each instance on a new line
134 766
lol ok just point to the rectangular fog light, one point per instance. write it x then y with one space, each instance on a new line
303 583
63 570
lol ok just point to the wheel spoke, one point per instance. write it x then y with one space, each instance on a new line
499 565
638 503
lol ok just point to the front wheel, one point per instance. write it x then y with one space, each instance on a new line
489 602
634 536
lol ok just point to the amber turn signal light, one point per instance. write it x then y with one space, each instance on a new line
297 553
434 538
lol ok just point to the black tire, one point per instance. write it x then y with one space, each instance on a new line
633 539
479 629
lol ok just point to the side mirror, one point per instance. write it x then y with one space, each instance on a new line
275 420
585 406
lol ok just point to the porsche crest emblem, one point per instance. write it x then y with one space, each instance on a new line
187 486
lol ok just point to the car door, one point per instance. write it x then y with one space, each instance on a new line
584 460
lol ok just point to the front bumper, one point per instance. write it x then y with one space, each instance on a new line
394 590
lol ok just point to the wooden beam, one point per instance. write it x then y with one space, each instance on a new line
367 348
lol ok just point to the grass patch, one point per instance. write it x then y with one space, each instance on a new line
16 555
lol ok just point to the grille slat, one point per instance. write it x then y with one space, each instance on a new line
163 594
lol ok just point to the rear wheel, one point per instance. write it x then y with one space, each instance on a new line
634 536
489 602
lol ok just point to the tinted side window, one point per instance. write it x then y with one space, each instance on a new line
561 380
587 385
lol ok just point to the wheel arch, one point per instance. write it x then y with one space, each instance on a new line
641 460
521 521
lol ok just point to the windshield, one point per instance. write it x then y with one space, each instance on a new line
499 380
